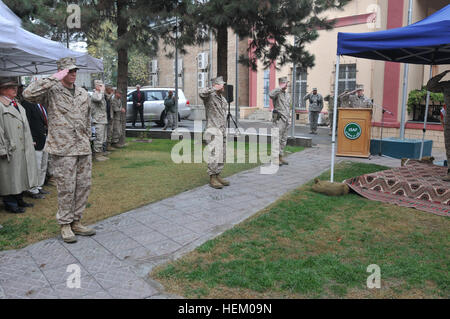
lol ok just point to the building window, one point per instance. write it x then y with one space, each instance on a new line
266 87
434 113
347 78
301 82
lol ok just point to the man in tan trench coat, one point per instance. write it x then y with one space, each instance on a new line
18 171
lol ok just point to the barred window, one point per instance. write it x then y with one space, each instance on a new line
301 83
347 78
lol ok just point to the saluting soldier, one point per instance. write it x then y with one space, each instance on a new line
434 85
356 99
315 107
100 120
216 114
281 117
68 143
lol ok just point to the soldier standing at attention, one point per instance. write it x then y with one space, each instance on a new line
100 120
109 92
170 108
281 114
315 107
216 114
435 86
68 144
116 105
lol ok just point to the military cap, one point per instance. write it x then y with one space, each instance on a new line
8 81
108 85
314 89
218 81
360 87
98 82
283 79
66 63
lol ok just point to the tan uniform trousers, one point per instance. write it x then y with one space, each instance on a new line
216 153
283 127
73 181
100 139
117 128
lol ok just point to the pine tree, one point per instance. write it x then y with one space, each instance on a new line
267 23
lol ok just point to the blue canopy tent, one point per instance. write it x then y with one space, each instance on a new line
424 42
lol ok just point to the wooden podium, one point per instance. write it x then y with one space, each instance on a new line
354 132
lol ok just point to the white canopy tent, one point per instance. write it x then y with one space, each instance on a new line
25 53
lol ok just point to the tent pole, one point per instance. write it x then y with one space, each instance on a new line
403 112
405 81
426 116
333 138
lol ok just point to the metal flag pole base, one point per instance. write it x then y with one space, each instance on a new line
230 118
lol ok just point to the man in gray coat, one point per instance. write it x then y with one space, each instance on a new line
18 170
315 107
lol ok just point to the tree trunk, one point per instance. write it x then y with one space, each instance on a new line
122 64
222 53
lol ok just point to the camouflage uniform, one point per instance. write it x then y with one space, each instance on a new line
435 86
215 107
170 108
100 120
116 108
68 143
281 103
315 107
354 101
110 119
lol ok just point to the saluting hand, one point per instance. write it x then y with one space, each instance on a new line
61 74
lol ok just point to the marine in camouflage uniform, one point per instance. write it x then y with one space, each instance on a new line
216 113
315 107
99 119
282 114
356 99
109 92
116 107
340 103
434 85
68 143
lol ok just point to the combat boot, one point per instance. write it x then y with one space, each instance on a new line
222 181
67 234
447 178
282 161
111 148
100 158
214 182
81 230
51 181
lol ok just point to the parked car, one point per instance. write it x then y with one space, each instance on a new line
154 105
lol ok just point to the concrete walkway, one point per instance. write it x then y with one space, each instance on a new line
115 263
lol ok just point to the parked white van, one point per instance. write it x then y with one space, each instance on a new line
154 105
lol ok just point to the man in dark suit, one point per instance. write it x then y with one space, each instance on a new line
138 98
37 119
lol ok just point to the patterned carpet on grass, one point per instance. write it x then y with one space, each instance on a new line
416 185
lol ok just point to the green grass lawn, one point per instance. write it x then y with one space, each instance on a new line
308 245
135 176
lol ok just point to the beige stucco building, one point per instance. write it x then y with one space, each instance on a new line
382 81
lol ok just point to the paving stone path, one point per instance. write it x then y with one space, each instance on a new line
115 263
